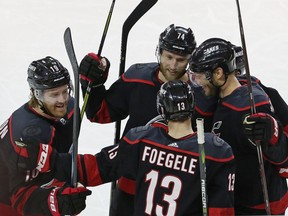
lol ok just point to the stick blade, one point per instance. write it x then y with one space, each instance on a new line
137 13
70 50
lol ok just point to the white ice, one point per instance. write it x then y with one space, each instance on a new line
33 29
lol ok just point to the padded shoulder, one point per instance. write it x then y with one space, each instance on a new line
142 132
27 125
243 79
143 73
239 99
137 132
217 147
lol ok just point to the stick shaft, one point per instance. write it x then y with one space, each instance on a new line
76 117
88 89
202 165
253 111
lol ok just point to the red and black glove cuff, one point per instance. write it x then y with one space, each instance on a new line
45 158
66 200
261 127
94 69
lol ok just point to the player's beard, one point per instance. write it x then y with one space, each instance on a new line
169 75
57 110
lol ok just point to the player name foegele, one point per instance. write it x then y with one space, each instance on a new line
170 160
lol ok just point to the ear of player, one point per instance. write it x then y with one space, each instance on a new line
261 127
94 69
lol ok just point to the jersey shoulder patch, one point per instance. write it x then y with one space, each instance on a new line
27 125
217 148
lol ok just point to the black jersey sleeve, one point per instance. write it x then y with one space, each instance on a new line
113 161
108 165
279 104
105 106
111 104
276 154
220 170
221 188
22 177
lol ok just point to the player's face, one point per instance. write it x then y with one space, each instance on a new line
172 66
200 80
56 100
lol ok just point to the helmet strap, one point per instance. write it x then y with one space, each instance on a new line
39 95
219 86
210 77
158 53
43 108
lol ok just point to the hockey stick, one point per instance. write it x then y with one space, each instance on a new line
73 60
202 165
155 119
87 93
76 120
136 14
253 111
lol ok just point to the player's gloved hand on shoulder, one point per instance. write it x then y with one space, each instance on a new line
66 200
40 156
261 127
94 69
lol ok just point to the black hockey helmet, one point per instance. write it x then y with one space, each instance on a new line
47 73
213 53
177 39
240 64
175 100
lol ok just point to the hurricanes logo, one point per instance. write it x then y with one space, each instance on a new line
210 50
216 126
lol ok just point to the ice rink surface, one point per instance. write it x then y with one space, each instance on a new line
33 29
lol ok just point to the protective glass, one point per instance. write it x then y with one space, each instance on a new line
56 95
198 79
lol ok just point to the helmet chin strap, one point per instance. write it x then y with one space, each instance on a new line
43 108
217 86
157 54
38 95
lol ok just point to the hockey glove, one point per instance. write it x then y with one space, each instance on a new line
40 156
261 127
93 69
67 201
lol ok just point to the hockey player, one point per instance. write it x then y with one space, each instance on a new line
215 67
164 160
279 105
46 118
134 93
